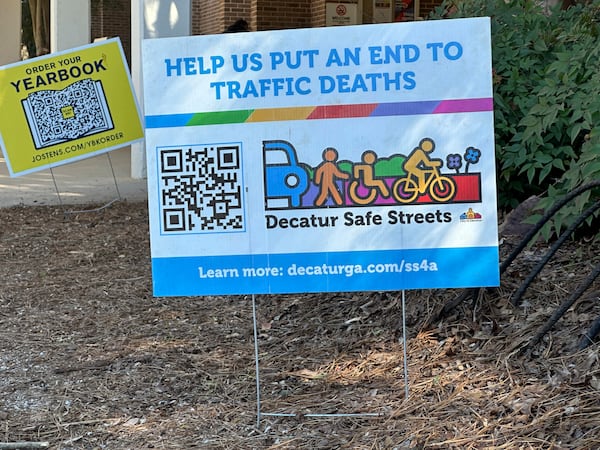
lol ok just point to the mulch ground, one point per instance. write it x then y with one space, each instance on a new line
89 359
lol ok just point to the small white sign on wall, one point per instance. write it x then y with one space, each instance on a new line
382 11
341 14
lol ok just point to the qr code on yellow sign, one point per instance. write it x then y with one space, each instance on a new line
60 116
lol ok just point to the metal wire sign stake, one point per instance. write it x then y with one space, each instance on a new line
260 414
100 208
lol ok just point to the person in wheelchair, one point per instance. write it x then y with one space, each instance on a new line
365 173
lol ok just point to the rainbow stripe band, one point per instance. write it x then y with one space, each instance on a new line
321 112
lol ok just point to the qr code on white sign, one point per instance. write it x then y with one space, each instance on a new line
200 188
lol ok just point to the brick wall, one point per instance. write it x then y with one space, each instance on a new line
281 14
112 18
317 13
234 10
427 6
207 17
212 17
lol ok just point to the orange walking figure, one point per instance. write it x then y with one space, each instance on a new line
325 176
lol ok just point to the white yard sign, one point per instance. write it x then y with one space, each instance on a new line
329 159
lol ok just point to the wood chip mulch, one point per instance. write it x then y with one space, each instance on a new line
89 359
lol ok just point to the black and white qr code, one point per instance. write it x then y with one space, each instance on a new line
201 188
56 116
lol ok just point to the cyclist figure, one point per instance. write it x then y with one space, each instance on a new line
419 164
364 172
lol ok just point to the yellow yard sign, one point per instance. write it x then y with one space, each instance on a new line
67 106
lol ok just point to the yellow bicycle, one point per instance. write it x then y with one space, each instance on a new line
439 187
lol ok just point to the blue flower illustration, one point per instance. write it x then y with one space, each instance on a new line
472 156
454 161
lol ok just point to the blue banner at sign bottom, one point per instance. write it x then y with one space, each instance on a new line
385 270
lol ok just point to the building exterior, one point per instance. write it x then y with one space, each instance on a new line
78 23
113 17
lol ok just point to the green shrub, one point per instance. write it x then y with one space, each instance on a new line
546 70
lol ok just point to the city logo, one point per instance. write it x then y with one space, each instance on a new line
470 216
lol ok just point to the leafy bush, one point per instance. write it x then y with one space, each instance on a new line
546 70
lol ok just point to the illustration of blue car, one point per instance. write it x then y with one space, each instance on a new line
284 178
